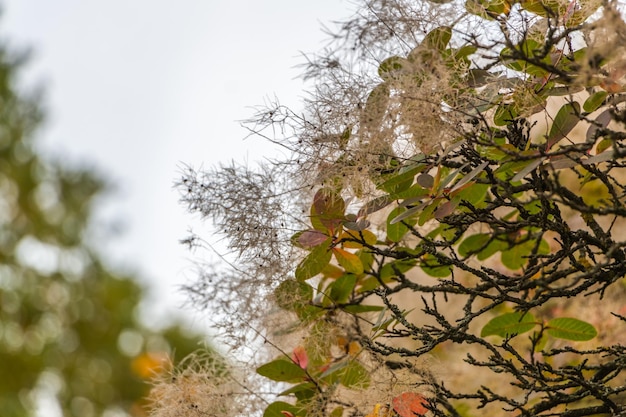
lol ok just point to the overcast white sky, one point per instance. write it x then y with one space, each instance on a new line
137 88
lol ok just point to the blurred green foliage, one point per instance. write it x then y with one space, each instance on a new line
68 324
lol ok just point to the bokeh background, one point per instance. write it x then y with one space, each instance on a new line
137 89
130 92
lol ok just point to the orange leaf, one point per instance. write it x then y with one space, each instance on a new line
354 348
300 357
342 341
147 365
410 404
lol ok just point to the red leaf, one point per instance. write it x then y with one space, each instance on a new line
287 413
300 357
410 404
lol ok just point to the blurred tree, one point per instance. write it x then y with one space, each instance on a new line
68 324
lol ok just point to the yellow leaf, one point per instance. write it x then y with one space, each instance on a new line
376 411
349 261
352 239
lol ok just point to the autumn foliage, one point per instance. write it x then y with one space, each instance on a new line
445 238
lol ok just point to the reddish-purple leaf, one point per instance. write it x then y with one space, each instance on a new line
326 202
446 208
601 122
311 238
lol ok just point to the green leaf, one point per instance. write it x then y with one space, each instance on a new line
403 179
275 409
491 152
355 224
445 231
531 165
355 376
414 193
462 54
538 7
485 8
433 45
282 370
438 38
517 256
528 48
571 329
504 114
332 271
594 101
533 207
369 283
428 211
316 223
508 169
544 247
366 257
509 324
566 118
341 289
493 247
391 68
448 178
358 308
430 265
475 195
603 145
314 262
397 230
337 412
401 266
473 244
306 386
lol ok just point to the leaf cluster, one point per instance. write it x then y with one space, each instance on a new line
465 201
